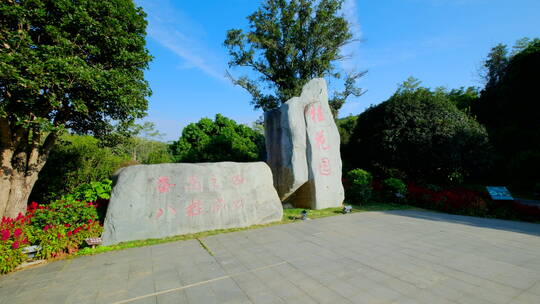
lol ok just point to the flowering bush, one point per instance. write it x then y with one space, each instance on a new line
458 201
58 228
63 212
62 226
56 241
463 201
14 235
514 211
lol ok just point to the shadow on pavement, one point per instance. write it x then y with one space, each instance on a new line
515 226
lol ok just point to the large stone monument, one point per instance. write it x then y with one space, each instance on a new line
302 142
156 201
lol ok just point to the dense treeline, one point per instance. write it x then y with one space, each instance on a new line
509 107
457 136
81 159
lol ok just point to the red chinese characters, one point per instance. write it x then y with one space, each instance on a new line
164 185
316 113
320 140
214 185
324 166
171 209
160 211
218 205
193 184
238 180
239 203
195 208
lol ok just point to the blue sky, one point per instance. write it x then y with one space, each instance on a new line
441 42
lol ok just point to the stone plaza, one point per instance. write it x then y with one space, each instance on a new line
371 257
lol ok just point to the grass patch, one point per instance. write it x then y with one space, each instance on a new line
289 216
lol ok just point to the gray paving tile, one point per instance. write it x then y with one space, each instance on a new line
374 257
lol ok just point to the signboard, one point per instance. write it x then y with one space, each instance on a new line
499 193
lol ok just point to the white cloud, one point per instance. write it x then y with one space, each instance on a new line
175 31
350 51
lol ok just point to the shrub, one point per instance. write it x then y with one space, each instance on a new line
360 185
14 235
421 133
59 240
59 228
394 188
457 201
93 191
75 161
65 212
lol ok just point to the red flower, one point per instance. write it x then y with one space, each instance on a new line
5 234
17 232
15 245
33 205
25 241
90 221
47 227
67 225
41 207
60 236
69 233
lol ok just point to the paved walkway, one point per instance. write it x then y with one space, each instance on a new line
374 257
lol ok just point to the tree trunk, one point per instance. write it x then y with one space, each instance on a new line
20 189
22 156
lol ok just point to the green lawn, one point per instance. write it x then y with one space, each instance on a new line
289 216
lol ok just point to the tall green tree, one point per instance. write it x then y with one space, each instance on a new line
289 43
64 64
219 140
509 107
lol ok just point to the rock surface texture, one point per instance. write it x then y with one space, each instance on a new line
156 201
302 142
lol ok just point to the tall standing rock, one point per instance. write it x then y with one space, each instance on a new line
285 133
302 143
323 142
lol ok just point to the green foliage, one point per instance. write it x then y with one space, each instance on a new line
72 64
289 43
360 186
464 99
421 133
75 161
93 191
65 211
64 65
345 127
218 140
509 109
394 186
